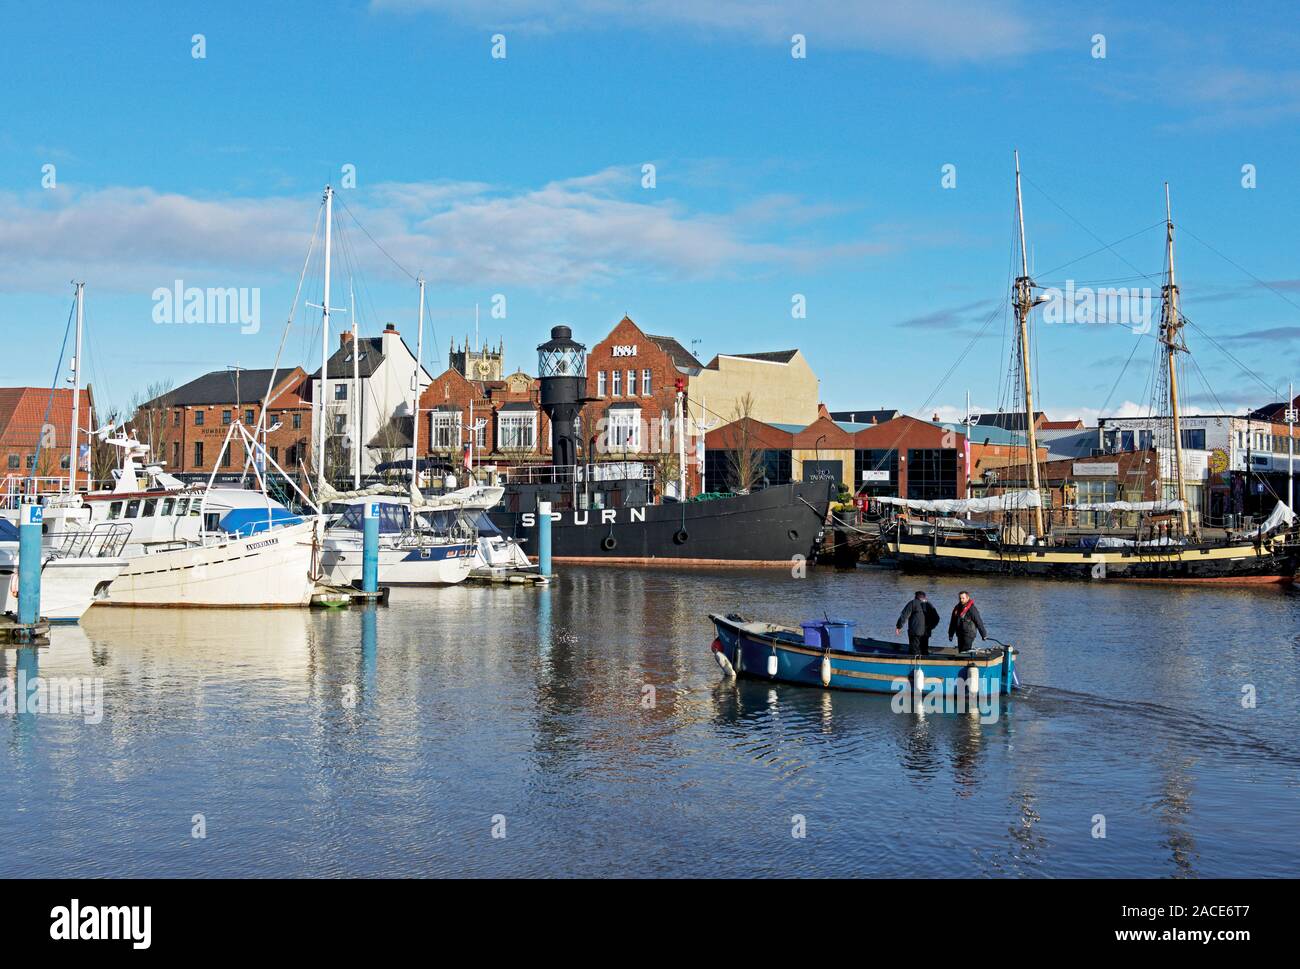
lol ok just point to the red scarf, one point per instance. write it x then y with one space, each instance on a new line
960 611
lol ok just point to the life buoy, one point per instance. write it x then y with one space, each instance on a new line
681 536
609 543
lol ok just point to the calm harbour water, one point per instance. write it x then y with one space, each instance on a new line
384 742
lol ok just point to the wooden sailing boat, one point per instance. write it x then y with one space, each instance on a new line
917 544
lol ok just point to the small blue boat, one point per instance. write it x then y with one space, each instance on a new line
825 653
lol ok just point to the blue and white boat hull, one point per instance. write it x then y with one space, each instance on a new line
773 652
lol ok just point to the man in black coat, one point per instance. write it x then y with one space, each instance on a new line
965 622
920 618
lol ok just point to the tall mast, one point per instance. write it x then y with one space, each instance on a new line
1170 325
1024 298
415 395
324 345
76 391
356 390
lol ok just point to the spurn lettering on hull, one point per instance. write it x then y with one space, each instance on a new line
608 516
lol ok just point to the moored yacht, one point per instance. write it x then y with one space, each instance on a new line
433 544
76 570
195 546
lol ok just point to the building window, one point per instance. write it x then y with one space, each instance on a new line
600 384
444 431
875 471
227 454
724 469
631 383
31 461
13 462
340 423
248 416
931 473
617 389
340 391
198 454
176 454
624 429
275 454
225 418
198 418
645 383
176 418
297 421
517 431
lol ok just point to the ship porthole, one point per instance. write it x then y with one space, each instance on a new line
609 543
681 536
794 535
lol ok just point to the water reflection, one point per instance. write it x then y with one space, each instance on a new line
590 714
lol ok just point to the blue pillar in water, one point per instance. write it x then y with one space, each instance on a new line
544 537
29 563
370 548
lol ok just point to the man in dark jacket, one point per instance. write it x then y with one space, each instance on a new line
920 618
965 622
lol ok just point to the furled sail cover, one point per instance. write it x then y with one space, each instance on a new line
1168 504
1011 501
1281 517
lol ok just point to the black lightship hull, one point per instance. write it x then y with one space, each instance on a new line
1237 563
775 526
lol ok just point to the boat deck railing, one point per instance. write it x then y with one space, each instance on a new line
578 473
105 540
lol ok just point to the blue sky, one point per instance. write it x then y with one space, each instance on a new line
775 176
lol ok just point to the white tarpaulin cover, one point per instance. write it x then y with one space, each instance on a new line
1107 541
1171 504
1281 517
1011 501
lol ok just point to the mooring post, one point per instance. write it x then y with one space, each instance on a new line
544 537
370 548
29 562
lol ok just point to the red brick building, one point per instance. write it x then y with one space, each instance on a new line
186 427
632 380
34 418
501 419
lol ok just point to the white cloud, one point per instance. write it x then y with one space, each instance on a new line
569 233
940 30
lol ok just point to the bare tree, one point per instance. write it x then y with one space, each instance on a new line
151 418
103 456
744 457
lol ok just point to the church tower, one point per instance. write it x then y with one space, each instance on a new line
486 363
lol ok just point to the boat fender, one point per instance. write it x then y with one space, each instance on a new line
681 536
609 543
972 689
826 670
772 665
918 680
723 663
